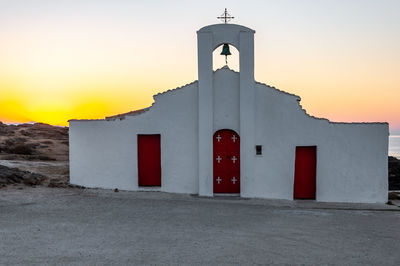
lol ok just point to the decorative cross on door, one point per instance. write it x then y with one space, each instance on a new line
234 159
234 138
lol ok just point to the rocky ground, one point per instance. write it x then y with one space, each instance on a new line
16 176
33 173
394 173
33 142
33 154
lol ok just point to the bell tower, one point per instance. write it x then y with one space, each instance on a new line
208 39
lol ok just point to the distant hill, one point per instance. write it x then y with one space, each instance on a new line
36 141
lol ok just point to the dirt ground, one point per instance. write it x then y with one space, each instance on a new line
69 226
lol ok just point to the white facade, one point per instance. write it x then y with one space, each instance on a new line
351 157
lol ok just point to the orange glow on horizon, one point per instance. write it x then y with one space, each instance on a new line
88 60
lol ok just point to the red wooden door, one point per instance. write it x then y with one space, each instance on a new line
305 172
226 156
149 160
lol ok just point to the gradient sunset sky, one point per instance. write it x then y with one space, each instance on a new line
61 60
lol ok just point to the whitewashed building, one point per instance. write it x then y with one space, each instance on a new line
229 134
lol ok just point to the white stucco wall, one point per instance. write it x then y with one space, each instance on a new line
209 38
226 100
351 157
104 153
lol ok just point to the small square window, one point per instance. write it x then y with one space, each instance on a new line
258 149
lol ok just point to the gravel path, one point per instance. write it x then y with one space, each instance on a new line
54 226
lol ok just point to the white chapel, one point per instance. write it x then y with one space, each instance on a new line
227 134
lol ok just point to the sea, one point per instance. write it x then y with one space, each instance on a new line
394 146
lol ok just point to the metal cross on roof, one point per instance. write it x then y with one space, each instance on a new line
225 17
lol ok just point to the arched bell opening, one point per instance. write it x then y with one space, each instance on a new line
226 54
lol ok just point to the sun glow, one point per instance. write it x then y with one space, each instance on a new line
87 60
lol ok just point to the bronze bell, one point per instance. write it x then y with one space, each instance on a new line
225 50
